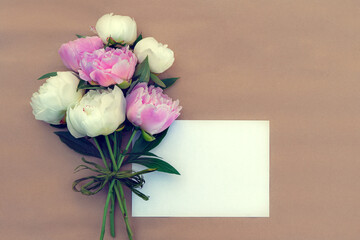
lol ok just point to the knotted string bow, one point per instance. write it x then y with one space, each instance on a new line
93 184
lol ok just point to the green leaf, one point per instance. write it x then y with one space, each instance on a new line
136 41
157 80
52 74
93 87
81 84
143 146
145 76
157 141
143 71
59 126
79 145
139 145
147 136
135 155
139 69
133 84
84 85
159 164
80 36
149 154
169 81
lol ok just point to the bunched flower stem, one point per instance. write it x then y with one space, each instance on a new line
111 153
122 206
115 144
126 149
113 197
115 188
106 209
101 153
120 195
112 205
112 215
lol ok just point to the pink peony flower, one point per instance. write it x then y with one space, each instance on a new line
151 109
109 67
71 52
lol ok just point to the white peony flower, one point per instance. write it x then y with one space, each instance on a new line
99 112
54 97
120 28
160 57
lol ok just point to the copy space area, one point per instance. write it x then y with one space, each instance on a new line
224 166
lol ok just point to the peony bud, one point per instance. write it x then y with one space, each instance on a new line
71 52
160 56
99 112
119 28
54 96
151 109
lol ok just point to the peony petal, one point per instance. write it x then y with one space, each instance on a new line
153 119
109 67
54 96
102 78
99 112
69 58
151 109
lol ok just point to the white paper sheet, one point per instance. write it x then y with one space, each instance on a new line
224 166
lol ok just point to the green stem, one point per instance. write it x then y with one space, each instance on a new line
112 215
112 205
125 211
106 209
101 153
120 195
115 144
111 153
126 149
119 198
122 206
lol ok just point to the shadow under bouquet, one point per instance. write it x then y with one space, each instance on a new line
112 92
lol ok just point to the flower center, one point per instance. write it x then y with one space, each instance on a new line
88 109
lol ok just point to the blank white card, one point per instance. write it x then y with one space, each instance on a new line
224 167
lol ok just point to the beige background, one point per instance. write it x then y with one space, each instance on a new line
295 63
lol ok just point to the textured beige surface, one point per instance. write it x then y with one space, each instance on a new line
295 63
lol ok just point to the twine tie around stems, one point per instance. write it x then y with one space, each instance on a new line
93 184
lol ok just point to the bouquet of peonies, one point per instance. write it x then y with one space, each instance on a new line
113 90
